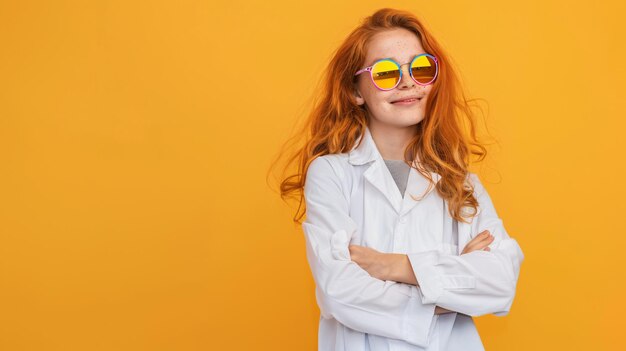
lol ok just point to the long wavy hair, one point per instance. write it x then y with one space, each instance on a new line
446 137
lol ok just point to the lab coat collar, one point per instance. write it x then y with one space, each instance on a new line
378 174
364 150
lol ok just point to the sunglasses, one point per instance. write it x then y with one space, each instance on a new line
386 73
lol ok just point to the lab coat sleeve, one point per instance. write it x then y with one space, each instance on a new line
345 291
477 283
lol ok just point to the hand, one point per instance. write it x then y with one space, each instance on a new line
381 265
480 242
377 264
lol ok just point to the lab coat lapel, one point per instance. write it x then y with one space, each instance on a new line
417 188
365 151
377 174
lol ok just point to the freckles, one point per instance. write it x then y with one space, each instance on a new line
400 45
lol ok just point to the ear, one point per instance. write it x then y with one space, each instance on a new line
358 97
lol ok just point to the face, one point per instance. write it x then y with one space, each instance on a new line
402 46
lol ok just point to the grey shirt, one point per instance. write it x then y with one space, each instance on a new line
400 172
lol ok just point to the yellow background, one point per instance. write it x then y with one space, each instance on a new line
135 138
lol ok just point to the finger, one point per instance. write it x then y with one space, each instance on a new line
354 247
482 244
479 241
480 237
478 245
488 239
354 250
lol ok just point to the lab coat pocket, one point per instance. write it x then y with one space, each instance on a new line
339 242
452 281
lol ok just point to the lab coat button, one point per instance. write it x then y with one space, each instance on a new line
403 220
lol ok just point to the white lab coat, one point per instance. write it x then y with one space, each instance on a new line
351 198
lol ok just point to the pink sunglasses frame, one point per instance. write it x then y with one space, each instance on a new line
369 69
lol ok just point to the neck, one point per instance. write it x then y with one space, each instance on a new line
391 141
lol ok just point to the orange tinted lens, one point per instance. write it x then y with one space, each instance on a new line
386 74
424 69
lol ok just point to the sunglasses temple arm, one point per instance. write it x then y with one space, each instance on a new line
366 69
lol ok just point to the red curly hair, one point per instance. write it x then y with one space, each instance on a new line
446 137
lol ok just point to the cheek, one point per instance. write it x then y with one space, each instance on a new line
428 89
369 92
375 99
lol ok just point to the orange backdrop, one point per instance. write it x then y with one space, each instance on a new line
135 139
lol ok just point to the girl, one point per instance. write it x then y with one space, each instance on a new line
383 247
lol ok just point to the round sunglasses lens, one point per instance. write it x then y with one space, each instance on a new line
385 74
424 69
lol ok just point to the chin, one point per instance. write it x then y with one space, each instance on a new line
415 121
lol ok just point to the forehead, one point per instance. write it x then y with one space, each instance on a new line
399 44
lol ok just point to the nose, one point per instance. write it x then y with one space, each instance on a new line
406 80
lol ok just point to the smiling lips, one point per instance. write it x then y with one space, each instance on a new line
407 100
